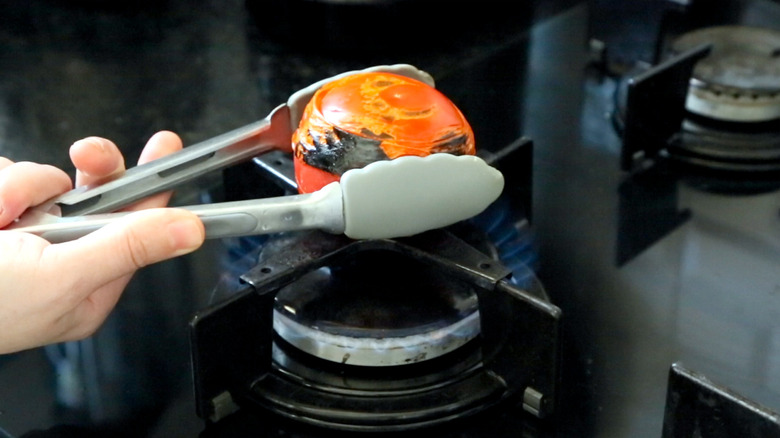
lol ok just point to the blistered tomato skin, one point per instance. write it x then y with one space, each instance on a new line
367 117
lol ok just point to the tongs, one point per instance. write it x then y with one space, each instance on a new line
385 199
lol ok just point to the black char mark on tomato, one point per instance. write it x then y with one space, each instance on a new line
339 151
451 144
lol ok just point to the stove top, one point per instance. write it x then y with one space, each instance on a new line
644 245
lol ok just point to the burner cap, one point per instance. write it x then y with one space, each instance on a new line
740 80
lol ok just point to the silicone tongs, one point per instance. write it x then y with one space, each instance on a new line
385 199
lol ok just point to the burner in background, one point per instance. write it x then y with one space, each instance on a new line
655 121
733 101
739 81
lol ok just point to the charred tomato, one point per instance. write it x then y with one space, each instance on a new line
366 117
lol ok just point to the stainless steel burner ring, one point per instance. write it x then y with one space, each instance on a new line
740 80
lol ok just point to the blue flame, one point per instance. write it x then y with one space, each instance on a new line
511 236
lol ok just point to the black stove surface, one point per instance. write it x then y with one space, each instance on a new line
651 267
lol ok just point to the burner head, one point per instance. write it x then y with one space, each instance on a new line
368 117
740 80
361 314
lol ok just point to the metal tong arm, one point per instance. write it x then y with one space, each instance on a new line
322 209
272 132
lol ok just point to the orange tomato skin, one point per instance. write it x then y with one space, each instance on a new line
367 117
310 179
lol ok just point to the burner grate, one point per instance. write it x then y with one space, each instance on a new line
517 351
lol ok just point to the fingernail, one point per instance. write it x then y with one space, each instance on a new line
186 235
95 142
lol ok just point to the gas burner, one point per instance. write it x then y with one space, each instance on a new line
277 344
712 105
739 81
379 310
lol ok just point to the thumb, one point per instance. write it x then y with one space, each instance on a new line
137 240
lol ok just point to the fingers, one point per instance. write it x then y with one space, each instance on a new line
66 290
5 162
26 184
159 145
121 248
97 160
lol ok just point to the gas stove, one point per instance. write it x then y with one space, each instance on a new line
625 284
696 121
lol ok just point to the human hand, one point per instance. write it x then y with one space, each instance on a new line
61 292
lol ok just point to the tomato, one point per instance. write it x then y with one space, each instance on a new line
367 117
